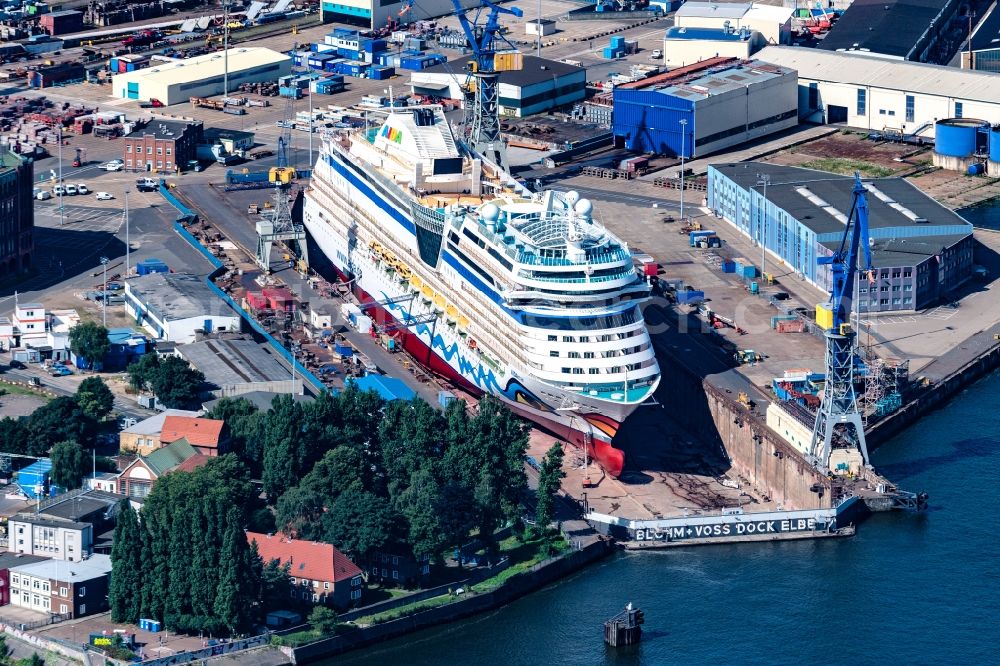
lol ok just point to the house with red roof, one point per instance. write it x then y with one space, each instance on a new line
209 437
320 573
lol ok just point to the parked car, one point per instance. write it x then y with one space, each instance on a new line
71 190
82 189
113 165
58 190
44 195
104 196
146 184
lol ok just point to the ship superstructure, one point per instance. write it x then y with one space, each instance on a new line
524 296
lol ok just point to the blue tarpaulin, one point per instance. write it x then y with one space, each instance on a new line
389 388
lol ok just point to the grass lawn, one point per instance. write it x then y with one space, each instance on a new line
403 611
847 167
12 389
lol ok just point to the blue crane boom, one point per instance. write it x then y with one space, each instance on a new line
844 262
483 37
838 413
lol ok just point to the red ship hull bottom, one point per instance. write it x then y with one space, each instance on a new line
612 460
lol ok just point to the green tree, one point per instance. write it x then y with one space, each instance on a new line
275 584
175 383
142 372
95 398
190 524
238 590
126 567
281 435
69 465
323 620
488 461
359 522
549 479
89 341
58 420
245 422
13 435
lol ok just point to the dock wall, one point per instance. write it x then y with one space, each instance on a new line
515 587
762 459
932 398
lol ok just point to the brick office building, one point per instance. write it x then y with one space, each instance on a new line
162 146
17 213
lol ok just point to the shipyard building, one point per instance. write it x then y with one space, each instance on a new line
917 30
983 53
723 107
202 76
773 23
17 213
888 96
538 86
375 14
921 251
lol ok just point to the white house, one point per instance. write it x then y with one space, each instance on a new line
175 306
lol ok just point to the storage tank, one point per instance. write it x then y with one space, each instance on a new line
956 142
993 166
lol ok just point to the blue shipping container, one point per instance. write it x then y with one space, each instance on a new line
690 297
148 266
381 73
374 45
729 266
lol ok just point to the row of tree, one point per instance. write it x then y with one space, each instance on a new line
366 475
187 562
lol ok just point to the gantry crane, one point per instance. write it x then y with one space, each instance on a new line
276 224
838 413
484 36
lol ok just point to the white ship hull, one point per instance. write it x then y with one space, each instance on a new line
577 417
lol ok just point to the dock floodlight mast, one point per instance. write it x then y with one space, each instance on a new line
838 413
484 37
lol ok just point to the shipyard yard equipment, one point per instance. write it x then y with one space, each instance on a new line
838 416
276 224
486 64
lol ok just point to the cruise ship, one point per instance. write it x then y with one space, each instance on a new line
500 290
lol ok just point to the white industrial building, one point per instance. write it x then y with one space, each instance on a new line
773 23
374 14
877 94
683 46
204 76
539 85
176 306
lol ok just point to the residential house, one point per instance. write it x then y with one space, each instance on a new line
96 507
50 537
209 437
395 568
320 573
138 478
72 590
8 560
144 436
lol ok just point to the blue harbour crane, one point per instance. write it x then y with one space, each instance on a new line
838 416
484 36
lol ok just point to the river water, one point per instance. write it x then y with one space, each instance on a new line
907 589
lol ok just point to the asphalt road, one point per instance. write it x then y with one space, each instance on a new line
618 196
123 407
